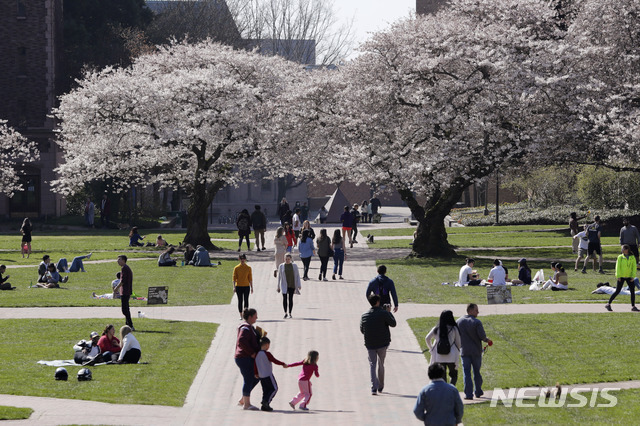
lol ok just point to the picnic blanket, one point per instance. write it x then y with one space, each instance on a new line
64 363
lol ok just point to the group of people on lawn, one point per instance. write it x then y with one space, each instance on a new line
108 348
49 274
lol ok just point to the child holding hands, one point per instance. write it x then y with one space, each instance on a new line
264 371
309 368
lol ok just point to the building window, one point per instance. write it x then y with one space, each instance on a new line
22 10
22 61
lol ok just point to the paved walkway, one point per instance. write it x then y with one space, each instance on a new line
325 317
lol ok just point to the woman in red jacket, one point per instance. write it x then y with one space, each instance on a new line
109 344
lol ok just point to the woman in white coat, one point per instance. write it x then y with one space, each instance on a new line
446 329
288 283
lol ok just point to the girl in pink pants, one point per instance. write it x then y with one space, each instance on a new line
309 368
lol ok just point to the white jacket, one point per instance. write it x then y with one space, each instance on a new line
432 343
282 278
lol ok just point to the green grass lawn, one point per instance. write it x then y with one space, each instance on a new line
14 413
25 342
541 350
626 412
188 285
420 281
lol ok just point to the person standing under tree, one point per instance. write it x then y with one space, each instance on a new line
573 228
105 211
126 283
89 212
26 230
244 228
594 233
630 236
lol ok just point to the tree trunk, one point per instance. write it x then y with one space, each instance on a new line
431 235
197 232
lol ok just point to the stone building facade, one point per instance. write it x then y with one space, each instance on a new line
30 59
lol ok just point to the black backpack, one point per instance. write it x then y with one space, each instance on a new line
243 223
444 346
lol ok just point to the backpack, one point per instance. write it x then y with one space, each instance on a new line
243 223
444 346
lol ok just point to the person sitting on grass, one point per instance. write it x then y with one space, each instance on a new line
109 344
161 242
53 278
86 350
165 258
201 257
497 275
76 264
524 273
4 285
189 250
135 238
130 353
114 294
560 279
467 275
43 268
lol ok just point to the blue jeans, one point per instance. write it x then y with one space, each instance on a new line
338 261
246 369
76 264
467 363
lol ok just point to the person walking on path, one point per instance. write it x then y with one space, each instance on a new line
126 283
242 283
296 223
246 350
339 254
26 229
347 224
264 371
573 228
288 283
324 252
375 204
594 233
307 251
384 287
283 209
630 236
439 403
625 272
374 324
446 353
291 237
471 336
355 213
309 368
244 228
280 244
259 222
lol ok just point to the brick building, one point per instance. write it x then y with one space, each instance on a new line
30 59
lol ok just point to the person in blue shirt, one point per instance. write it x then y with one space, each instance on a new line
439 403
307 250
384 287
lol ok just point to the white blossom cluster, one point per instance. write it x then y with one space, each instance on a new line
15 151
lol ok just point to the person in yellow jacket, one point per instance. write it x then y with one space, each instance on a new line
242 283
625 272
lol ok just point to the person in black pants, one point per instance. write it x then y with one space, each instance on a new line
126 282
288 283
242 283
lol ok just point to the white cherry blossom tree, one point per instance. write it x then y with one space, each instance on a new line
188 116
435 104
15 151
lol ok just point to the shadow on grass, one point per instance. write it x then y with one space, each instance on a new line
152 331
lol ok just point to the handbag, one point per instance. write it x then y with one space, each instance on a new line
331 252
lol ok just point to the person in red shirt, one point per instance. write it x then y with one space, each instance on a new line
309 368
109 344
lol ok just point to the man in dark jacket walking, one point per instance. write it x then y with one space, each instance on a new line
375 324
384 287
259 222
